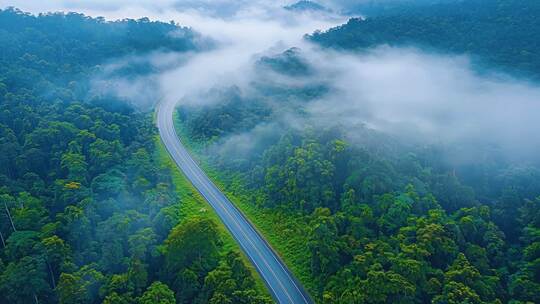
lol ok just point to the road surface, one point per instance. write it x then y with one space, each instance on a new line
279 280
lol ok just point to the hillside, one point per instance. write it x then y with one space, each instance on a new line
501 33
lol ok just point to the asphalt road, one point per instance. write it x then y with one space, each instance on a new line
279 280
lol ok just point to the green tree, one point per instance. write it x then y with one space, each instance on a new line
56 252
191 251
75 165
192 244
81 286
457 293
386 287
115 298
464 282
70 290
323 245
157 293
24 281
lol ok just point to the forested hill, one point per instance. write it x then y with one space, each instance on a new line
384 221
504 33
75 39
88 214
384 7
62 47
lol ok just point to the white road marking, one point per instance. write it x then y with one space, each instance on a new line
186 162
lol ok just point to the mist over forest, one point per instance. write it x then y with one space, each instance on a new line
386 150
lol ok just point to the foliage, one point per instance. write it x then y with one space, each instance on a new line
496 32
157 293
85 205
384 221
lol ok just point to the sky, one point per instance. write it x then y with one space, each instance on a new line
401 91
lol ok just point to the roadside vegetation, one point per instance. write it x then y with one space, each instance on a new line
282 230
192 206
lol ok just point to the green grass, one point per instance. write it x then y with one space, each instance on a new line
192 204
287 233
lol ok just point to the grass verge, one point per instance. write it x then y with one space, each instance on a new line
287 233
192 204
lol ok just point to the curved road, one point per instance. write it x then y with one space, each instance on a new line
279 280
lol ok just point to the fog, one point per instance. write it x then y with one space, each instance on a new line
415 97
408 93
431 98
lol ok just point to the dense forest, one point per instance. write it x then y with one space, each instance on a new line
388 224
387 221
88 214
495 32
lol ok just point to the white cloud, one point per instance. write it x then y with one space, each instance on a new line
407 92
400 91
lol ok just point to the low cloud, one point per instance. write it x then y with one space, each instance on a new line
417 98
410 94
428 97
